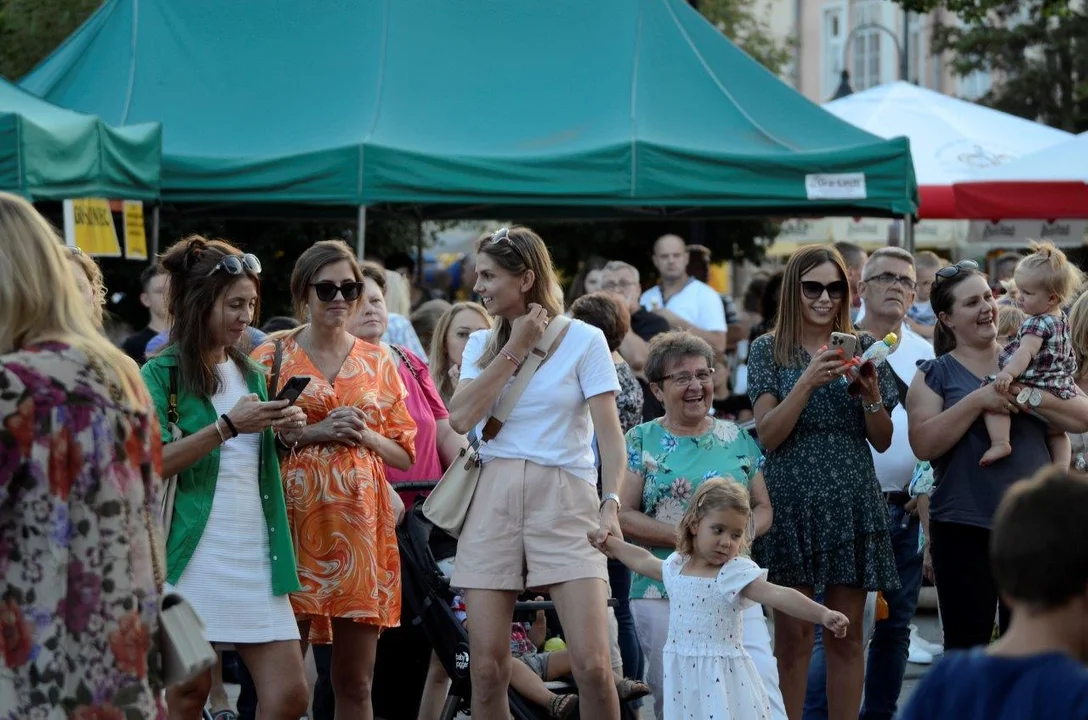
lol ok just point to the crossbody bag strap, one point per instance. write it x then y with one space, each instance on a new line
277 360
172 396
540 351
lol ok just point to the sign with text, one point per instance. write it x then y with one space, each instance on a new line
835 186
135 230
88 225
1015 234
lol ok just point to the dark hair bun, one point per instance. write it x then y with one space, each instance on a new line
183 255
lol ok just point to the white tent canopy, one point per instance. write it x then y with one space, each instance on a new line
951 140
1064 162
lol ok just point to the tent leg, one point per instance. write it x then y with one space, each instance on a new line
360 234
908 233
154 254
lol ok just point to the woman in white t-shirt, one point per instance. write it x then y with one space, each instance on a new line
537 498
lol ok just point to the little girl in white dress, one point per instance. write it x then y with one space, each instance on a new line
708 674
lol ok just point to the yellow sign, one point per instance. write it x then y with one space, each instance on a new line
135 232
88 225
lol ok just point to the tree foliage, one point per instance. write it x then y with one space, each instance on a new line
31 29
1036 51
739 21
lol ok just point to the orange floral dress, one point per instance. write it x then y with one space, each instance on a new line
338 508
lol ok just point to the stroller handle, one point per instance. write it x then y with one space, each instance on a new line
415 486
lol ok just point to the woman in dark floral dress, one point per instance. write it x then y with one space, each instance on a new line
830 531
79 459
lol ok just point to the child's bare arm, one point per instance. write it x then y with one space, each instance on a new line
637 559
1030 345
538 633
794 603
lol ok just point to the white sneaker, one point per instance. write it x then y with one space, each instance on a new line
916 640
918 656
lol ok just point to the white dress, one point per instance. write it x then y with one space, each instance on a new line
228 580
708 674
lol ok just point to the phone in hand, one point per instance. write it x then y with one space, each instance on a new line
846 342
293 388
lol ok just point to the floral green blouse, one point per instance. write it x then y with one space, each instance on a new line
672 468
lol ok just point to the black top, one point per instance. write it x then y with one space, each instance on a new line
135 346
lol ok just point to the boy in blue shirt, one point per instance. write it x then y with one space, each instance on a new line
1039 557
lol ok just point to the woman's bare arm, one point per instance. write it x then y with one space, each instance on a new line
761 504
636 524
933 431
449 442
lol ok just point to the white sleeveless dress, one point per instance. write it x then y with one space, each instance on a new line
708 674
228 580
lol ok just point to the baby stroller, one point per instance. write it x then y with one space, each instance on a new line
427 595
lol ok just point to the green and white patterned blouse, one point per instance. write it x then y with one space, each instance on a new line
672 468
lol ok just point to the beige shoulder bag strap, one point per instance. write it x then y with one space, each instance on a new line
539 354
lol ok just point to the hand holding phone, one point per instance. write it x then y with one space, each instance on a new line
293 388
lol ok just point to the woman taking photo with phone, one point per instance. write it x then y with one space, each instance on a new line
830 531
229 551
342 510
536 499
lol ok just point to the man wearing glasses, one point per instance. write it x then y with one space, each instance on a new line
887 286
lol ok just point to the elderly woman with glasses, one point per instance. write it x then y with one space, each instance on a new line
946 405
668 459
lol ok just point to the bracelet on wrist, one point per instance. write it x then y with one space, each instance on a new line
219 429
511 357
230 425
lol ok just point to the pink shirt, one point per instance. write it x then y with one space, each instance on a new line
426 408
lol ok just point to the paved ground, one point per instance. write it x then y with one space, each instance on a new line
926 620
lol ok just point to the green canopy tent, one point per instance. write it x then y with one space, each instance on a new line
49 153
473 108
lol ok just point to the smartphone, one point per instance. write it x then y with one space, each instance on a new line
293 388
844 341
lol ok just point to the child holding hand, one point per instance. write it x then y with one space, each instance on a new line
707 671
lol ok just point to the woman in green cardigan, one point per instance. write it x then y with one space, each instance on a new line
229 551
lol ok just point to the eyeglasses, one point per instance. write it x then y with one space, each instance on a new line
814 290
618 285
238 264
683 379
888 278
952 271
326 290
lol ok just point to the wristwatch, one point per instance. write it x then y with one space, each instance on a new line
872 409
610 496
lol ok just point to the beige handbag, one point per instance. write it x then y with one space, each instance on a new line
447 505
185 651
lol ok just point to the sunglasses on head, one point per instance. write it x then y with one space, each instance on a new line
238 264
814 290
326 290
952 271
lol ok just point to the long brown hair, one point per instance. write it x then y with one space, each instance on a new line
789 325
520 251
194 289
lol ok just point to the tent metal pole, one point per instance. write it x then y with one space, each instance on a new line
154 254
908 233
360 234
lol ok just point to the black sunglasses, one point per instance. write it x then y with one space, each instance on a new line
951 271
813 290
326 290
238 264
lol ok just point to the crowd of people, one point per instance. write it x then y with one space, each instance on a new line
624 470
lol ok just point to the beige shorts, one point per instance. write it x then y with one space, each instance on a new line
526 527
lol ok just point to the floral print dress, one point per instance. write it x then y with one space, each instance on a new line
830 519
79 475
672 468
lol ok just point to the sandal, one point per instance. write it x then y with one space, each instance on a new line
630 689
224 715
562 706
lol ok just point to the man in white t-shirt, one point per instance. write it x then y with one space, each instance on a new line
685 302
887 286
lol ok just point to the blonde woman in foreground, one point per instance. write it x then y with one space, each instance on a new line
79 490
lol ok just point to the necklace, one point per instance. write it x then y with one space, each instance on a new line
668 425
